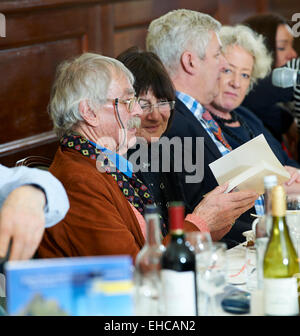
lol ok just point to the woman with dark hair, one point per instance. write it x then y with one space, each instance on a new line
278 36
150 77
154 88
273 104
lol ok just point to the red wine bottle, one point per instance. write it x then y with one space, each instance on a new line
178 274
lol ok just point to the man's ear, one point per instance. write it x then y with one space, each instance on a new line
87 113
189 62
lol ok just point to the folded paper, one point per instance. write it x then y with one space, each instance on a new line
245 167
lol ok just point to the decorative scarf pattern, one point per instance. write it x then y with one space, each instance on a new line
135 191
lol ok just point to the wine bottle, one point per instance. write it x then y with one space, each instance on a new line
281 266
178 272
263 228
147 282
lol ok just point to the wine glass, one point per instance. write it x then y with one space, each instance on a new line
293 219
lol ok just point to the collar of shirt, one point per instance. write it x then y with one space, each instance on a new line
119 161
192 104
197 109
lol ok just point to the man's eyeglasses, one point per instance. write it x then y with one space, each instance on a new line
163 107
130 102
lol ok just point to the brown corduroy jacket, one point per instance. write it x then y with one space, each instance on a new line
100 220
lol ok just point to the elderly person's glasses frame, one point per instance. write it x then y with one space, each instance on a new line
130 103
163 107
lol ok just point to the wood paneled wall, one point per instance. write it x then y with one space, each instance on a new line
39 35
42 33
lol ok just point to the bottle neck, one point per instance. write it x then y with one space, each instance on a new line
280 234
153 236
178 236
176 218
279 224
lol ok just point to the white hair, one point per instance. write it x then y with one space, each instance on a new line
173 33
253 43
86 77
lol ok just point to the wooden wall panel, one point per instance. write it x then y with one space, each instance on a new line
24 95
126 39
131 18
234 11
38 38
139 12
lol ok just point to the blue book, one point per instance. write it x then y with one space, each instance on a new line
81 286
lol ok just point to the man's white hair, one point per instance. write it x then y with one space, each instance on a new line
177 31
253 43
86 77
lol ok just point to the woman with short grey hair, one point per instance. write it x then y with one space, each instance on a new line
253 43
248 60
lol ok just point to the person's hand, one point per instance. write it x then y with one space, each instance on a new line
220 210
293 184
295 176
22 220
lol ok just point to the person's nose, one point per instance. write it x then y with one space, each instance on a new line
235 81
154 114
293 53
137 110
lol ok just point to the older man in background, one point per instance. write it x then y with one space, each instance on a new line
187 43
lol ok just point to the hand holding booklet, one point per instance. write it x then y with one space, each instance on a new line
245 167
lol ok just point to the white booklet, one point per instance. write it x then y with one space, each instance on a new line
245 167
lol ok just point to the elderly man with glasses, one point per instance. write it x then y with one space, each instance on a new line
95 114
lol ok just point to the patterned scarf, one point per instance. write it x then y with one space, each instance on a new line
135 191
215 128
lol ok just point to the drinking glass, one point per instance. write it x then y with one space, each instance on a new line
251 269
211 277
293 219
198 241
236 274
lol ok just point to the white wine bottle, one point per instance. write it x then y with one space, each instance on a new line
178 272
281 266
